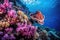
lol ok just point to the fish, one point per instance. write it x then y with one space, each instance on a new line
39 17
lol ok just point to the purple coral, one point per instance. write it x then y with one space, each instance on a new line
11 16
5 37
9 30
8 37
1 34
12 37
26 30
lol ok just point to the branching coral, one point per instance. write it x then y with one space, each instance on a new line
26 30
8 37
11 18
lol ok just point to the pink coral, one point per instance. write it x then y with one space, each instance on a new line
2 9
12 13
7 4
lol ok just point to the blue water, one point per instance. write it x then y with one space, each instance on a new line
49 8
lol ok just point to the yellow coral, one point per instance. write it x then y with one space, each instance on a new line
3 24
25 17
22 16
7 24
0 23
20 13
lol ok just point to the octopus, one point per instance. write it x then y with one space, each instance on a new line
38 16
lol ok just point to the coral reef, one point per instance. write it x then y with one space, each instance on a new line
15 25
